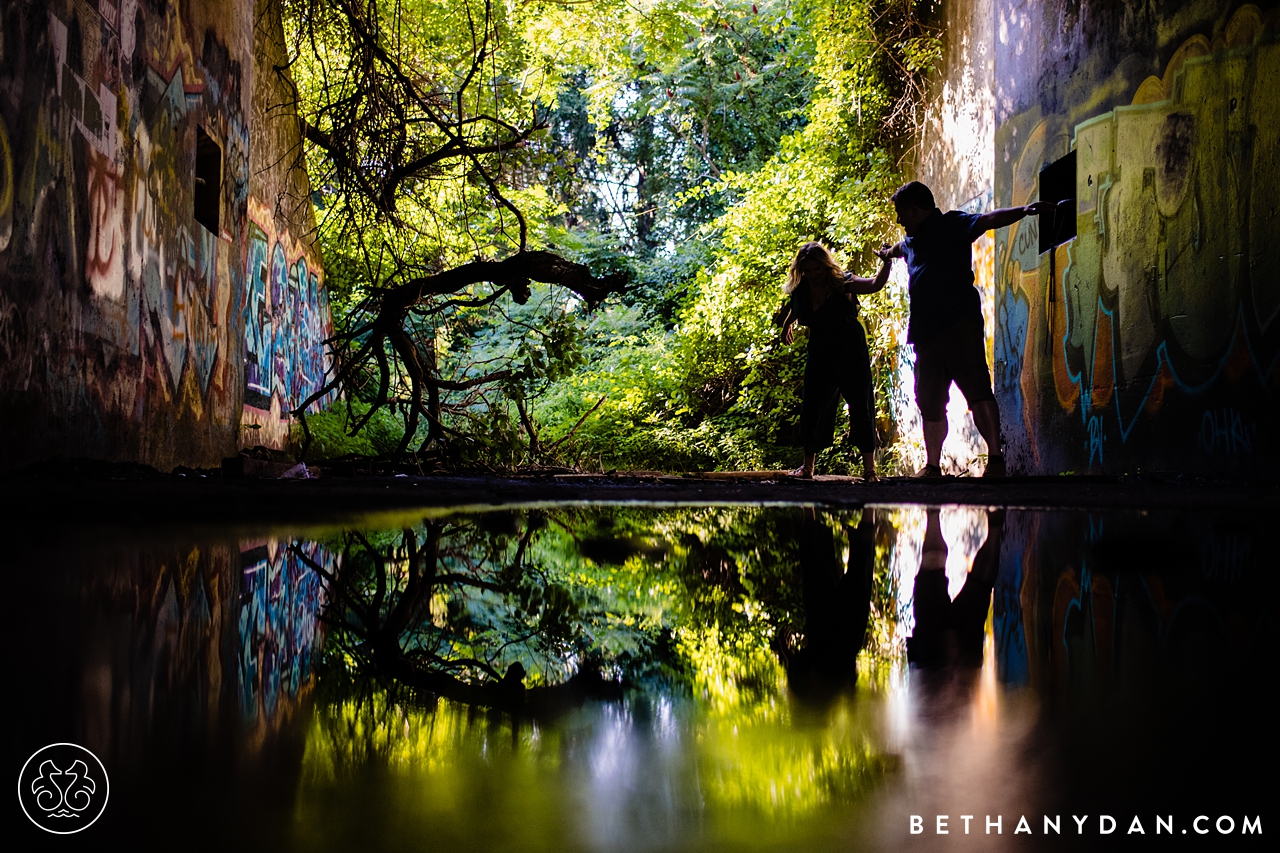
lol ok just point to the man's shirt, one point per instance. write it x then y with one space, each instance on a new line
940 268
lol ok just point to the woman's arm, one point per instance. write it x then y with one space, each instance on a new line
785 318
858 284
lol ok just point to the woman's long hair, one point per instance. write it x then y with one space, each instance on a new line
812 251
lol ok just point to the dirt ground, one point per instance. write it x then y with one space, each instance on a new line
134 497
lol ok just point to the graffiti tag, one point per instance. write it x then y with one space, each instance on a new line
1224 431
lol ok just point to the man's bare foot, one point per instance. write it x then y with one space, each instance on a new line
929 472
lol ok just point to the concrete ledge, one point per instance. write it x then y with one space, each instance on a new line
167 500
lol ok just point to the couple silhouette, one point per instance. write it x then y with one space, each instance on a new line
945 330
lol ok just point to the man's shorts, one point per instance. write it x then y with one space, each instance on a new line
957 355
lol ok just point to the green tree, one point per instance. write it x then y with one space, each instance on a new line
684 146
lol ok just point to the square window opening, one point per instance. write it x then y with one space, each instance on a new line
1058 185
208 188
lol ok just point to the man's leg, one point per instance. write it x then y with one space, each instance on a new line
986 417
974 378
933 383
935 432
927 645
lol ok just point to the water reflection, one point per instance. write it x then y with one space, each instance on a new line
281 596
950 628
626 678
837 603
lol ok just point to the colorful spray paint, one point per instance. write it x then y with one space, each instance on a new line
286 322
122 307
1149 340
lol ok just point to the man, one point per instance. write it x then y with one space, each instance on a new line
945 327
951 631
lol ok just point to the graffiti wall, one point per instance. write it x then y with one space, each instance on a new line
1149 340
286 309
125 232
286 323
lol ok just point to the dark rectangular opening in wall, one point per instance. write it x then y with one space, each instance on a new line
1058 185
208 180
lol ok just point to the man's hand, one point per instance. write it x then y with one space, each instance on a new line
887 253
1008 216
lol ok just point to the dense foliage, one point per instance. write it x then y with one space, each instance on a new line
685 146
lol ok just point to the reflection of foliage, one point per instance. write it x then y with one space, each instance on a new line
777 764
442 608
479 609
696 608
443 756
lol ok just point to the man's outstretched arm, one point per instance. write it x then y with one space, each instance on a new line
888 253
1009 215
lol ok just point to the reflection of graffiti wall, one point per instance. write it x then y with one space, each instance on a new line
1149 340
148 633
1081 596
139 651
121 309
280 630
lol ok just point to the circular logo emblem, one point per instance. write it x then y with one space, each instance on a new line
63 788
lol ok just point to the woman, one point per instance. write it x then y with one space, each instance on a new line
822 297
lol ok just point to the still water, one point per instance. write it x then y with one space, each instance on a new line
629 678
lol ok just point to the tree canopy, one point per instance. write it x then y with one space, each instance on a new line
555 231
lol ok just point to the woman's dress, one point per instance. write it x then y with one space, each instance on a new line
838 364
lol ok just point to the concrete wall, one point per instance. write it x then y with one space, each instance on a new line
955 157
1153 346
955 154
286 307
123 329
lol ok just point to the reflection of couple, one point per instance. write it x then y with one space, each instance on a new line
837 602
945 329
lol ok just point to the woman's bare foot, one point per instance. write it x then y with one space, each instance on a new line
869 468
